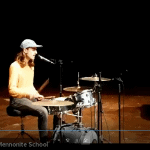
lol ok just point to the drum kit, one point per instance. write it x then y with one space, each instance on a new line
82 98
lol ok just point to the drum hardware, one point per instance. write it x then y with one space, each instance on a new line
74 115
95 116
79 118
97 89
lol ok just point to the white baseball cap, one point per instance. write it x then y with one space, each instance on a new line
29 43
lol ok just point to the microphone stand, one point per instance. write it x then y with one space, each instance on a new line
119 113
60 63
119 103
99 110
60 119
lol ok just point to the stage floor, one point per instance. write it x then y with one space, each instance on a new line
134 117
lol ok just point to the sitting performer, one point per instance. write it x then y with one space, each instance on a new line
21 89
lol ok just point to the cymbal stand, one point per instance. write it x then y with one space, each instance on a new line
95 106
97 88
60 122
78 116
95 116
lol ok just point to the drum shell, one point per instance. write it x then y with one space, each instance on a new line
73 134
54 110
84 98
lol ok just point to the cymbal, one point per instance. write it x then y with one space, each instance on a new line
74 89
52 103
94 79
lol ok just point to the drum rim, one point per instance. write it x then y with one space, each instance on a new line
87 90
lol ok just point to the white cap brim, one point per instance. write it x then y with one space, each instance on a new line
37 46
32 46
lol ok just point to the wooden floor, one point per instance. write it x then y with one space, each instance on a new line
134 117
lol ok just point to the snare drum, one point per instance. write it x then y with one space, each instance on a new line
85 98
55 110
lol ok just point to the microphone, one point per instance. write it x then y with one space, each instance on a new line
118 79
45 59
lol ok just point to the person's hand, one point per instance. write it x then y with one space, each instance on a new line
40 97
36 96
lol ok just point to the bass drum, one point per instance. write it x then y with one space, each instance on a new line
73 134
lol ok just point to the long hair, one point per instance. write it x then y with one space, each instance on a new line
20 59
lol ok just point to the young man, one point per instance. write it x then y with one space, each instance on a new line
21 89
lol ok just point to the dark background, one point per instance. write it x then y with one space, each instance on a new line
115 44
